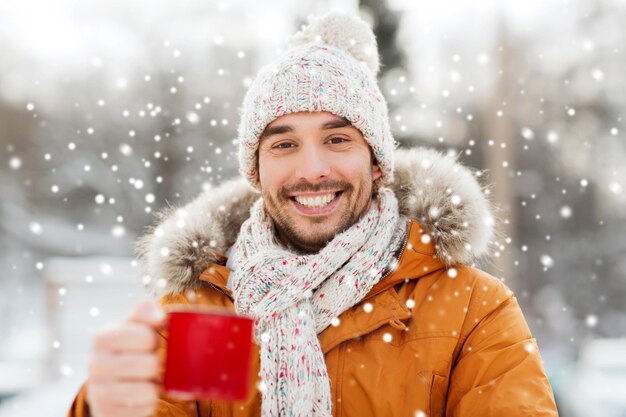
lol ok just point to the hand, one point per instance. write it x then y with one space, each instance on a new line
124 365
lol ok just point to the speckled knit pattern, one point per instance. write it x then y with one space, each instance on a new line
295 297
331 66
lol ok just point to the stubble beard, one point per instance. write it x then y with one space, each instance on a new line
302 241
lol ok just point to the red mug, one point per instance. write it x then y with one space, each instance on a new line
208 354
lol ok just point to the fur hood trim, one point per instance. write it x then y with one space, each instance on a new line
435 189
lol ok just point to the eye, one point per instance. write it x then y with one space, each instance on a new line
283 145
337 140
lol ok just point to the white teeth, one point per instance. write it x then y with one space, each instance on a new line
317 201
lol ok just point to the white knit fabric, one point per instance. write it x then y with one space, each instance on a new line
331 66
294 298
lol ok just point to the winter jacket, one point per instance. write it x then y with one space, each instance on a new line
434 337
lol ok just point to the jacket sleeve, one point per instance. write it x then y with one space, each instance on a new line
498 370
165 408
79 407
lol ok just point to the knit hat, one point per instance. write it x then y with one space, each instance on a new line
330 65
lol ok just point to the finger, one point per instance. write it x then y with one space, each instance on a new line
134 366
127 337
148 312
123 394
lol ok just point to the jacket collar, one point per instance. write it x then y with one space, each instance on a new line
444 196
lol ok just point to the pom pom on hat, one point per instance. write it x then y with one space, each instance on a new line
342 31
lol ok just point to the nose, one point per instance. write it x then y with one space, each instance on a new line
312 165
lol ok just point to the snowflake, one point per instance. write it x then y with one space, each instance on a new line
118 231
615 187
106 269
126 149
35 228
552 137
66 370
597 74
15 163
547 261
527 133
591 320
193 118
565 212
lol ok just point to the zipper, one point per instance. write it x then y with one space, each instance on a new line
216 288
404 245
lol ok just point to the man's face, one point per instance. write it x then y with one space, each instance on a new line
316 174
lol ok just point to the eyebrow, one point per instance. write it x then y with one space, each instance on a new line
275 130
336 123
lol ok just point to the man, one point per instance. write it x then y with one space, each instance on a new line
361 292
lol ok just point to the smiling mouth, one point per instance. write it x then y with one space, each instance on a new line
317 201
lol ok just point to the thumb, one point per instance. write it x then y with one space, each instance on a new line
148 312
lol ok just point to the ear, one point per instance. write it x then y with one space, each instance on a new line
376 172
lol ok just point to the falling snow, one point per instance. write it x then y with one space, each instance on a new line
591 321
15 163
66 370
547 261
98 138
118 231
527 133
35 228
615 187
565 212
126 149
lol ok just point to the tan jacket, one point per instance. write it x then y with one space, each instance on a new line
435 340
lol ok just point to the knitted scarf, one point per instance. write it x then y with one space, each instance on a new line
295 297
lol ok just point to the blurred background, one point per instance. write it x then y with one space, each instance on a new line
111 110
